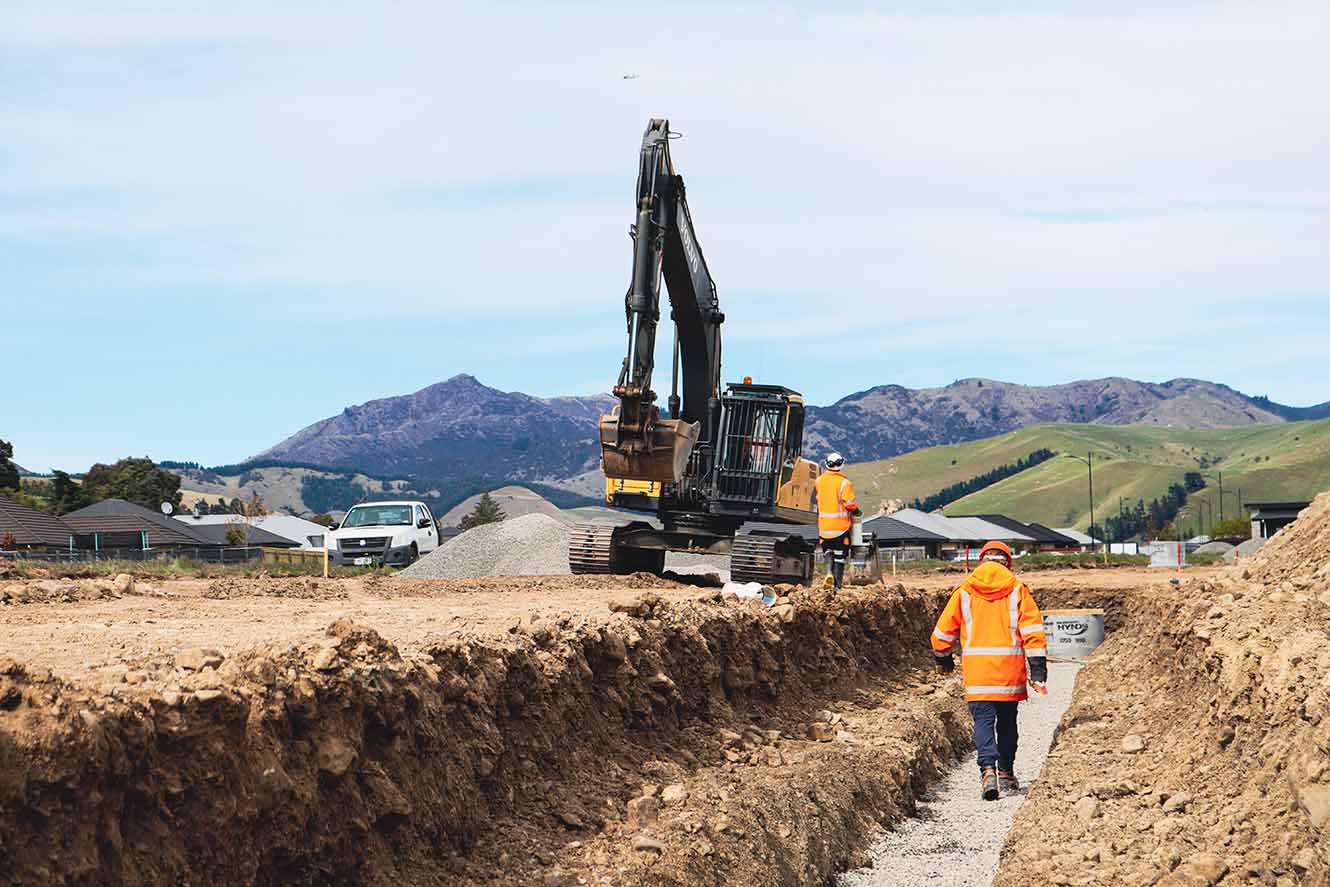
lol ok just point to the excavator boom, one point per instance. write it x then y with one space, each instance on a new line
636 442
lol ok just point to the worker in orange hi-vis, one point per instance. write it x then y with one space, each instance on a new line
836 511
995 620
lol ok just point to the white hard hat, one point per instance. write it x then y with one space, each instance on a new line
834 460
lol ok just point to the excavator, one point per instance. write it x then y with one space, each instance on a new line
719 458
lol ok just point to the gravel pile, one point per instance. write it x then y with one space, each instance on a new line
1244 549
1215 547
957 836
530 545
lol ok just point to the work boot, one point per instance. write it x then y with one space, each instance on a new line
1008 782
838 571
988 784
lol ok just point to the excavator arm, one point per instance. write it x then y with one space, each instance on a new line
636 443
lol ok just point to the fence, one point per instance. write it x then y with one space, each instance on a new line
203 555
293 556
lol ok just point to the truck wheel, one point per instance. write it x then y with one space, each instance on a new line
414 555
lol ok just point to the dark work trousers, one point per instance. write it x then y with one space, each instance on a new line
995 734
836 551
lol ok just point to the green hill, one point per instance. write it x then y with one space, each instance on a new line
1287 461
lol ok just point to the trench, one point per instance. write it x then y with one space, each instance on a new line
955 837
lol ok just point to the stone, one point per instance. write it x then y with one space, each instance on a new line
1202 870
336 755
135 677
844 736
674 794
1304 860
820 731
1166 828
1177 803
1133 743
198 658
615 649
1088 808
1315 802
647 844
643 812
783 612
207 695
123 583
325 659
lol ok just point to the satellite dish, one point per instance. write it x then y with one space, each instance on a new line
167 508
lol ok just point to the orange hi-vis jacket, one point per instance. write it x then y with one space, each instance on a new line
997 623
835 501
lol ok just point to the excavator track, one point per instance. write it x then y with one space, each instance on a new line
591 548
768 559
601 548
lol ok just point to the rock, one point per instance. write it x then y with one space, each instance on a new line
1226 735
123 583
643 812
674 794
207 695
198 658
1202 870
844 736
1177 803
647 844
325 659
615 649
1133 743
135 677
1088 808
88 718
336 755
171 698
1166 828
1315 802
783 612
570 819
820 731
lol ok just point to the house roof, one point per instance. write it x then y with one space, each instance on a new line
1034 532
119 516
1078 536
32 527
988 531
888 529
1048 534
216 535
286 526
940 525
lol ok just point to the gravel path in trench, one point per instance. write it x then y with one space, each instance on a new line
957 835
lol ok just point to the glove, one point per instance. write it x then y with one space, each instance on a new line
1038 670
943 664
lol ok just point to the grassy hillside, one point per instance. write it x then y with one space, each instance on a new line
1290 461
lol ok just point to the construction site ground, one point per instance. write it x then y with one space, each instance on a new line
627 730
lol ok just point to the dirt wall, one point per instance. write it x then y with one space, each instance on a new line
495 762
1197 750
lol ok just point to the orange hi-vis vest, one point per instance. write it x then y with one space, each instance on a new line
997 623
835 500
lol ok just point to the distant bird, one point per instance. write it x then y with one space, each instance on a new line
630 76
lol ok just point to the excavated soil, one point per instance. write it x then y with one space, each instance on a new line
1197 749
497 732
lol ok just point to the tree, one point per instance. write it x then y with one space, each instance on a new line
66 495
487 511
134 480
1232 528
8 470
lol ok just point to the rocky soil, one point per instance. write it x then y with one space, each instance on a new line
1197 750
672 737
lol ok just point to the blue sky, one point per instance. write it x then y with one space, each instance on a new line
221 222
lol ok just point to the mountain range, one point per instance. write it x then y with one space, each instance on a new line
461 428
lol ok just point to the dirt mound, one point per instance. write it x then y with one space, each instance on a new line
337 761
304 587
531 545
1299 553
1198 747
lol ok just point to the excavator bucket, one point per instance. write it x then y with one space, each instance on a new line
662 455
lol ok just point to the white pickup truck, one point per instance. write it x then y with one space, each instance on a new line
395 533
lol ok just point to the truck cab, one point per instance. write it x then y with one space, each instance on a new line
393 533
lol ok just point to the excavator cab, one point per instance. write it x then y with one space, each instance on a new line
759 471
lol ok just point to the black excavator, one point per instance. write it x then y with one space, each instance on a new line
720 459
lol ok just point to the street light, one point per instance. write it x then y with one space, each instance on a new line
1089 464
